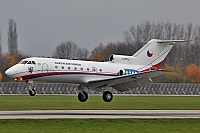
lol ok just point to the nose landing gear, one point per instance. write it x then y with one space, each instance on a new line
32 92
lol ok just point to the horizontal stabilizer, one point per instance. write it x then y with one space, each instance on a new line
171 41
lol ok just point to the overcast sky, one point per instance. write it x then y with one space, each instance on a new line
44 24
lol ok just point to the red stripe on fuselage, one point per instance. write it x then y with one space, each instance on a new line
38 75
153 67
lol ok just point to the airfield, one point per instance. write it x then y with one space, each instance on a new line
122 106
126 113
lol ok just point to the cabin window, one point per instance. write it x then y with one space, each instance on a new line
62 67
100 70
81 69
56 67
88 69
39 64
69 68
75 68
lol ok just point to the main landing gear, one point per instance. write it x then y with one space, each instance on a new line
83 96
107 96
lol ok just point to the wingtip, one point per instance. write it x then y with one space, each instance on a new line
163 70
187 40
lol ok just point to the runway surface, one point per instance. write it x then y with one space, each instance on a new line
112 114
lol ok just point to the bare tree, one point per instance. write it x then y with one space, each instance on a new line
102 52
181 54
67 50
98 54
84 54
12 38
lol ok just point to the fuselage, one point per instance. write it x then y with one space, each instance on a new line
121 72
149 57
69 71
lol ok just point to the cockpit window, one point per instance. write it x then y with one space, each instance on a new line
33 62
27 62
24 62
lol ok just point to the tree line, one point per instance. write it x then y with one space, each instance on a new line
183 60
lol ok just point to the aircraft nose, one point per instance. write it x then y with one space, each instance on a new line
9 72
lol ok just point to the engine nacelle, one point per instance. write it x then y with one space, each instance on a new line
121 59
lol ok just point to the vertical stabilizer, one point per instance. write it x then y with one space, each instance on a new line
154 52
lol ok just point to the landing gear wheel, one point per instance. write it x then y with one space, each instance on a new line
82 96
107 96
32 92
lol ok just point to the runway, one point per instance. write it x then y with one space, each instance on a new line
86 114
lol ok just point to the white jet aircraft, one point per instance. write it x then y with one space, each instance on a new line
121 72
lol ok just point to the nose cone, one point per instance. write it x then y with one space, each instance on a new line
10 72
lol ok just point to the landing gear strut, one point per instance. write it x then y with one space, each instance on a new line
82 96
107 96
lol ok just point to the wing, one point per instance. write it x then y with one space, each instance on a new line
127 82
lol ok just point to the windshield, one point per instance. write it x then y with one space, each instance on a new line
24 62
27 62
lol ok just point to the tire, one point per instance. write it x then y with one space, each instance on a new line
107 96
82 96
32 92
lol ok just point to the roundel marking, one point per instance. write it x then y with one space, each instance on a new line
149 53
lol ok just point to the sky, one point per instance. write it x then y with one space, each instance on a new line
44 24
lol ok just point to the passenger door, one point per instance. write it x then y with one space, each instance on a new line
45 69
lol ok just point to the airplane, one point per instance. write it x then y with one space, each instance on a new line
120 72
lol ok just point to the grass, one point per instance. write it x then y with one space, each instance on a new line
100 126
65 102
70 102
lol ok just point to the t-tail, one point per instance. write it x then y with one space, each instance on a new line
154 52
150 55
